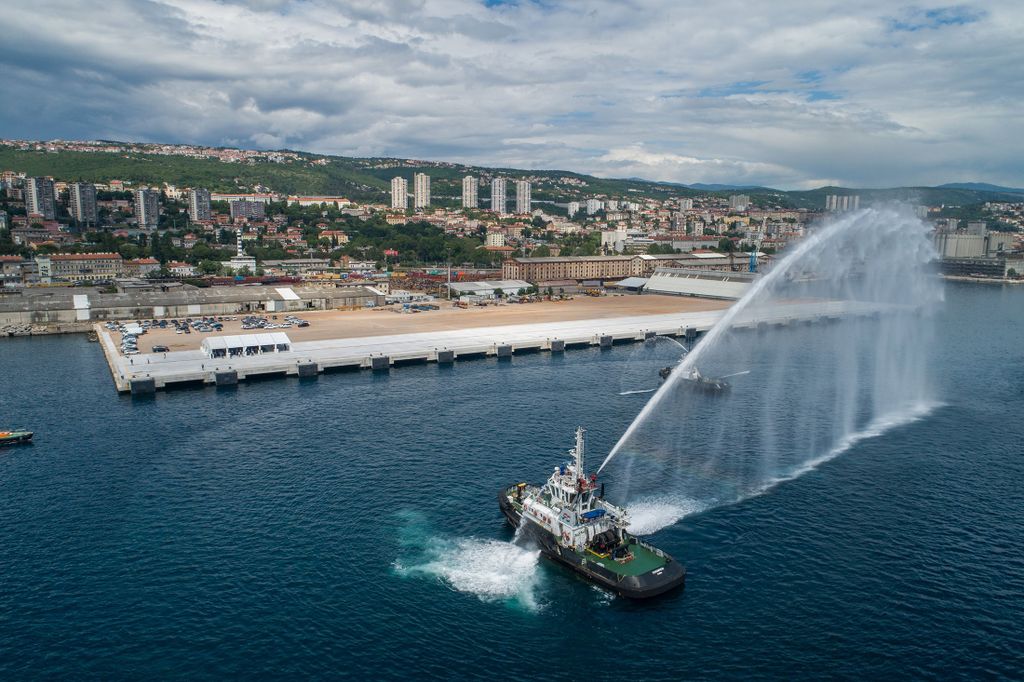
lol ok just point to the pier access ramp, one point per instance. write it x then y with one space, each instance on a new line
245 344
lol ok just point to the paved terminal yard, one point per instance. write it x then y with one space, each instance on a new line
340 324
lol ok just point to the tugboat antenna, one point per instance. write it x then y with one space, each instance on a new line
580 442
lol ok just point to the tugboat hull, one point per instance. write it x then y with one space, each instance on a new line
15 438
670 576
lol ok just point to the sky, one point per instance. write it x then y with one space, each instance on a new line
785 94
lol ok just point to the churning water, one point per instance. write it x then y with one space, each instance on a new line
801 393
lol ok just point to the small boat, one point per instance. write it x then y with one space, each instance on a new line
574 525
15 437
695 380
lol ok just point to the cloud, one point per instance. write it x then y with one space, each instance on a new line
779 94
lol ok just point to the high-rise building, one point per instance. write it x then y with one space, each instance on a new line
40 199
739 202
248 210
498 195
421 190
199 204
573 208
522 196
147 208
594 205
685 204
835 202
399 193
470 188
82 202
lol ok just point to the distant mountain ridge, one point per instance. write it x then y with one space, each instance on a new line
981 187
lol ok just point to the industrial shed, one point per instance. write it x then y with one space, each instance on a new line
245 344
701 283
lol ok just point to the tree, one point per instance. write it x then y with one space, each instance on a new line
726 244
210 267
498 293
1012 272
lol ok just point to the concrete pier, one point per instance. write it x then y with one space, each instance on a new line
145 373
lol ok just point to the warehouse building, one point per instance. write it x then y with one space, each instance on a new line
701 283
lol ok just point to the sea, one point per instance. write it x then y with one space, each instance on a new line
347 527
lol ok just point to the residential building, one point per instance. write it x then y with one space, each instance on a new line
470 188
522 196
421 190
199 205
739 202
594 205
82 202
147 208
399 193
180 269
573 208
248 210
498 195
140 267
337 202
835 202
686 204
494 239
40 199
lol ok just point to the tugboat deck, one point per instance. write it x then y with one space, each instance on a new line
644 561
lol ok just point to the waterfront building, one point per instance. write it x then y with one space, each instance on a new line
522 196
498 195
82 202
556 268
399 193
470 188
79 267
147 208
40 199
421 190
199 205
248 210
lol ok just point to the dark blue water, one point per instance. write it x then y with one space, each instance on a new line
348 527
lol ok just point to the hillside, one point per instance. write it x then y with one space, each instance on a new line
368 179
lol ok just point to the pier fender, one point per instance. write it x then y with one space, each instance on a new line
308 370
606 341
380 363
226 378
504 351
557 346
691 334
445 357
648 335
143 386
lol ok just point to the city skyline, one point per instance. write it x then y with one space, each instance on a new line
794 96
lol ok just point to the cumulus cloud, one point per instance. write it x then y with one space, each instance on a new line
779 94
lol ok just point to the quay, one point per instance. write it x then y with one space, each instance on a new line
148 372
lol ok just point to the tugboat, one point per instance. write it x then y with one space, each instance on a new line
575 526
15 437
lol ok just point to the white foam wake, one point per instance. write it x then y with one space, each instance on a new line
646 390
490 569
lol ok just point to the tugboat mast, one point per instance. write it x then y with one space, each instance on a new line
580 471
